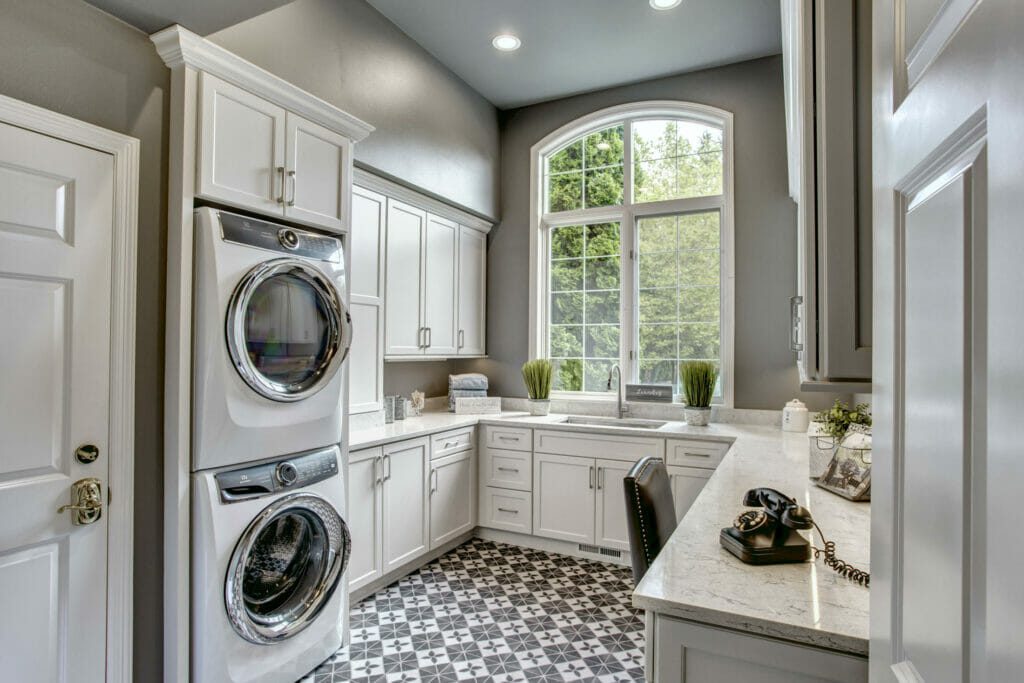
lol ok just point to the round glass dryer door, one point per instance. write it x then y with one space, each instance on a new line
287 329
285 568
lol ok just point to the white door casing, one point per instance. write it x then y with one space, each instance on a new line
472 292
405 243
68 193
406 506
948 312
440 285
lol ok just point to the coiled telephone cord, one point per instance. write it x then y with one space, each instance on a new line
845 570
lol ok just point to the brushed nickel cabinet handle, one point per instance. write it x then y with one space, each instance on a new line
508 469
509 511
280 175
291 177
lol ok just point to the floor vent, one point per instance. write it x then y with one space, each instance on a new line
598 550
610 552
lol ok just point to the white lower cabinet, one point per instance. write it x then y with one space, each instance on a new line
563 497
364 516
506 509
405 502
611 530
452 495
687 483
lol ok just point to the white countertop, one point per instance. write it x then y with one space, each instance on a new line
694 578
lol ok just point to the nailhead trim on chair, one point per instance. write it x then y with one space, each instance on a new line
639 511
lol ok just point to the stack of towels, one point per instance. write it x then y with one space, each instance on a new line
467 385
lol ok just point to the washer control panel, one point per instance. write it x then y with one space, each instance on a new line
292 472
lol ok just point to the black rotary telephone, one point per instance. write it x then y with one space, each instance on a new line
768 534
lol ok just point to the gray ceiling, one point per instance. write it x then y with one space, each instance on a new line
201 16
572 46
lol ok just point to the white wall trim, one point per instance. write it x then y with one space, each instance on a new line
390 188
121 476
539 221
178 46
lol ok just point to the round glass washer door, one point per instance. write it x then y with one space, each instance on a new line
285 568
287 329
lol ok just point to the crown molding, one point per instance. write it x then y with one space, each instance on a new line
371 181
178 47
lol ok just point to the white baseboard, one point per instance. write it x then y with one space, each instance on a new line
550 545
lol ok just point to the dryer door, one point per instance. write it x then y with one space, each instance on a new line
285 568
287 329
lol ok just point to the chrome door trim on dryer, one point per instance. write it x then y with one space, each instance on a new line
339 330
330 548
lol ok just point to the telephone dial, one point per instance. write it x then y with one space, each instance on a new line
769 534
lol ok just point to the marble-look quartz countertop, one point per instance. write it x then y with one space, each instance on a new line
412 427
694 578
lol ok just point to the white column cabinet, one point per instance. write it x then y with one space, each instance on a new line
440 286
364 516
366 288
452 497
472 290
405 503
563 497
611 530
406 227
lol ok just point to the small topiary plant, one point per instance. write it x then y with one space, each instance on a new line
837 419
699 377
537 376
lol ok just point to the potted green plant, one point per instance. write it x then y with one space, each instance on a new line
699 378
537 376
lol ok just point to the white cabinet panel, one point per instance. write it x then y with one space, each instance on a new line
611 530
504 509
506 469
405 502
316 168
597 445
511 438
366 243
364 517
403 307
472 292
440 278
452 497
455 441
365 360
687 483
691 453
241 147
563 497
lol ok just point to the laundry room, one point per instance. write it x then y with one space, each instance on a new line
476 340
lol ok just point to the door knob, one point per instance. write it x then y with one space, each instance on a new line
86 501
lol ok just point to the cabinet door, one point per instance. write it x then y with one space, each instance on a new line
366 287
405 502
365 359
439 285
610 514
241 147
472 292
405 244
452 496
563 497
364 517
366 244
318 163
687 483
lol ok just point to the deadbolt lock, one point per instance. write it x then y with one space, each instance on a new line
87 453
86 501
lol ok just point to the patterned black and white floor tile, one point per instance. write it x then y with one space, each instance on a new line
494 612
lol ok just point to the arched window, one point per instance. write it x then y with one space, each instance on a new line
631 246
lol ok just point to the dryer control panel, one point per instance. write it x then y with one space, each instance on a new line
286 239
276 476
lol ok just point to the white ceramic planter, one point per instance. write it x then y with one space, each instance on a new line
540 407
697 417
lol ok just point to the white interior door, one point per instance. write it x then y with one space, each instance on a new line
610 513
403 330
365 472
563 497
317 160
472 291
406 508
56 216
949 319
440 277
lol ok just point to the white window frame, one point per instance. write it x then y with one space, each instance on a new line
626 215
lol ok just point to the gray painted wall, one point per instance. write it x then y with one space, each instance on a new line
433 131
766 374
71 58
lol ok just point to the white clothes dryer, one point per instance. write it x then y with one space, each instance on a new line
270 549
271 333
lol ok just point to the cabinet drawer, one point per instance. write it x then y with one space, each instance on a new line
454 441
591 445
695 453
511 438
504 509
507 469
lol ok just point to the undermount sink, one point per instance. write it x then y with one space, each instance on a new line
613 422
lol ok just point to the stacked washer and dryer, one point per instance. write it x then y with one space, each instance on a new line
269 541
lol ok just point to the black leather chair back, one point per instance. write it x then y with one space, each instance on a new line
650 512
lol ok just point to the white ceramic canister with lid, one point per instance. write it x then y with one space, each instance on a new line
795 417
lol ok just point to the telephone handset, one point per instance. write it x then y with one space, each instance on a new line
768 534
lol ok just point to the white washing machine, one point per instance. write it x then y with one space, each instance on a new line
271 333
270 547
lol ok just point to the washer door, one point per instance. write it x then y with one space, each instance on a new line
287 329
285 568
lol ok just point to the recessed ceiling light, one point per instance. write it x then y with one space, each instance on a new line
665 4
506 42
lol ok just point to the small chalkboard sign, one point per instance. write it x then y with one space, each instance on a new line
654 393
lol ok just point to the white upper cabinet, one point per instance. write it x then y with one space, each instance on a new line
472 292
256 155
404 328
440 286
241 147
366 287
